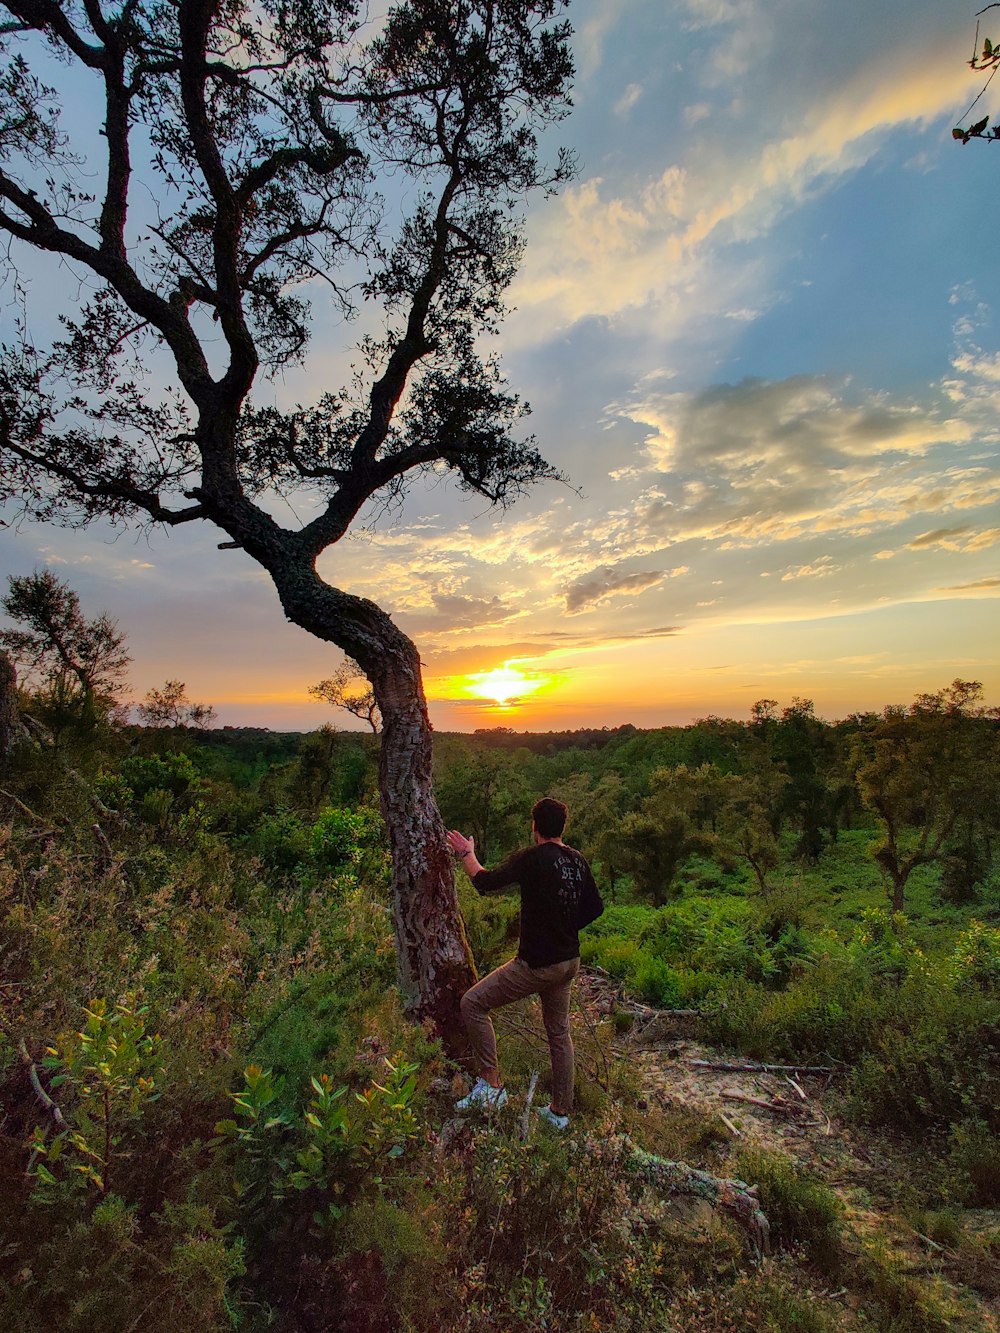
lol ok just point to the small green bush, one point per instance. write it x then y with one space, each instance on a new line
975 1157
282 841
800 1210
975 962
657 983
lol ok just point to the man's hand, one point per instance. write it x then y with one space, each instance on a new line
465 849
459 843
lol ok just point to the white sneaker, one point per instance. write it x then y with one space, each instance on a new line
483 1094
559 1122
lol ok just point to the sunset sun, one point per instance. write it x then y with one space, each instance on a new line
504 685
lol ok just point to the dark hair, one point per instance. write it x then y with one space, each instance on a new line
549 817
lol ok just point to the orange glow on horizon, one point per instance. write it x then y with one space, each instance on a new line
505 686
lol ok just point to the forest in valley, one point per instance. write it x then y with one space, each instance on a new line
214 1112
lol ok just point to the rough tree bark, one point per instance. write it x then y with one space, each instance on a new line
10 717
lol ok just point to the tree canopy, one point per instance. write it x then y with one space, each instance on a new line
250 152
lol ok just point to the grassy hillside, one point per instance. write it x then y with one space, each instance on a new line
215 1115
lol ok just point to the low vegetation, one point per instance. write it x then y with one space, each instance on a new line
215 1115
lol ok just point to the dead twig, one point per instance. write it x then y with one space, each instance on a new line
599 1071
637 1007
105 857
776 1104
22 807
792 1083
44 835
605 1082
525 1118
932 1243
40 1092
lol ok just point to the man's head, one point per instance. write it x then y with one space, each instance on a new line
548 817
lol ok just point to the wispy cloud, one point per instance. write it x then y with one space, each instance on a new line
601 584
980 585
628 100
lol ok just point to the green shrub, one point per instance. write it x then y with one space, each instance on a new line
491 925
334 839
883 944
800 1210
902 1304
631 921
282 841
417 1267
975 962
112 1272
106 1073
933 1059
975 1157
657 983
174 773
816 1018
349 837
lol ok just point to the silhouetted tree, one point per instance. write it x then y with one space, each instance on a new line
170 707
985 60
78 665
277 145
349 688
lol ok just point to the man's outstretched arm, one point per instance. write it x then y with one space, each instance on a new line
485 881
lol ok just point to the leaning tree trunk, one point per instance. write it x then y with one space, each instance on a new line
434 960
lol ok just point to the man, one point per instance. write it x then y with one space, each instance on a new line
558 898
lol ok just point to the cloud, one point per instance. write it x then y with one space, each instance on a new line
819 569
482 657
980 585
795 108
956 539
608 582
628 99
938 537
805 422
770 461
455 611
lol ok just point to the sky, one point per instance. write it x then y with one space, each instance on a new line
759 334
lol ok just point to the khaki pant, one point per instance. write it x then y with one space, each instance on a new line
513 982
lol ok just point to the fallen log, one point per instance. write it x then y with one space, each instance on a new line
756 1067
735 1197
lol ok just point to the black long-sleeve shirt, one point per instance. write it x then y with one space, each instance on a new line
558 894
